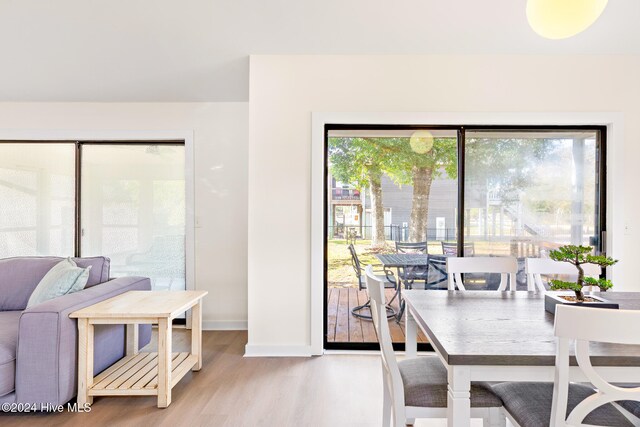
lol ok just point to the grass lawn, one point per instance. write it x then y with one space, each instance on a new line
341 272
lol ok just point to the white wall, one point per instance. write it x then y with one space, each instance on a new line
285 90
220 136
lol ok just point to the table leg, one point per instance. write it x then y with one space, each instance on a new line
164 362
196 334
85 361
411 335
132 339
459 396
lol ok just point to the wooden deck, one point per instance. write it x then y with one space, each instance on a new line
343 327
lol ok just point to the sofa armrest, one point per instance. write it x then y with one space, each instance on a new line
46 359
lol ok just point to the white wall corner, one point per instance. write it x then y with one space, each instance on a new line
253 350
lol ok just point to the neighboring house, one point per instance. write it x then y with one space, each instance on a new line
351 208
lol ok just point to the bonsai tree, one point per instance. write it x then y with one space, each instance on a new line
579 255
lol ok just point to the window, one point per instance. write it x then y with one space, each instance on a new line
464 190
125 201
37 191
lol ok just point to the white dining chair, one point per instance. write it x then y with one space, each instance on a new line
535 267
417 388
507 267
547 404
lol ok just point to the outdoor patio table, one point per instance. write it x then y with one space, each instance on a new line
399 261
503 336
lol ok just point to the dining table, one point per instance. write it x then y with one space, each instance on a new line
404 261
503 336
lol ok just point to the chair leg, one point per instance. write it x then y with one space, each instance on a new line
393 298
496 418
398 418
386 401
355 311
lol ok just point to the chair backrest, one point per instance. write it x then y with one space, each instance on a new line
357 267
606 326
411 248
451 248
375 287
506 266
535 267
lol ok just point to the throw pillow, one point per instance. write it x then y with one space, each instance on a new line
64 278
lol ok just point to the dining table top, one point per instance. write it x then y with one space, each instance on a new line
505 328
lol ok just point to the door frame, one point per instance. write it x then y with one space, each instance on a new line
613 122
139 137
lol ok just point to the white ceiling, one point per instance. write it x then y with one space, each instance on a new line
197 50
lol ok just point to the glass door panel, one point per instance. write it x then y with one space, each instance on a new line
133 210
384 185
37 196
529 192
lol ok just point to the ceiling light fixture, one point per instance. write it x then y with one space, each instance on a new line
560 19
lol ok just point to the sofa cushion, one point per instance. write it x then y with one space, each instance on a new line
8 340
64 278
20 276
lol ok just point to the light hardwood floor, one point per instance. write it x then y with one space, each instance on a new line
230 390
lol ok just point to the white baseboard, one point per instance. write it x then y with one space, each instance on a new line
224 325
277 350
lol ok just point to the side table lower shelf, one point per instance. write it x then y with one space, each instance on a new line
137 375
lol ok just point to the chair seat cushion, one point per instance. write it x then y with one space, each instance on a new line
530 404
8 341
425 385
631 406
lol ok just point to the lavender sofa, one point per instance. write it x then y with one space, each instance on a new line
38 345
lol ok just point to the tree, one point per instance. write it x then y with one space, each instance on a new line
579 255
417 161
363 161
359 161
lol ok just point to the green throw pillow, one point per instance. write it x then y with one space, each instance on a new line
64 278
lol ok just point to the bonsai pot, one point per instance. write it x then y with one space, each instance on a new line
551 299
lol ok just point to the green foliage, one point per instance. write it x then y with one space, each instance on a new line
504 164
603 284
354 159
558 285
579 255
571 253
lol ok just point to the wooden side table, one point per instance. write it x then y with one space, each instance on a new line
139 374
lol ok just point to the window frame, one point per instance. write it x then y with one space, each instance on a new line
601 188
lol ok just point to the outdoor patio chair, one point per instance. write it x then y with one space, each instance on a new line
451 248
386 277
562 403
417 387
409 275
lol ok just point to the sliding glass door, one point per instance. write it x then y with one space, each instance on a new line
37 187
455 191
123 200
384 186
528 192
133 210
